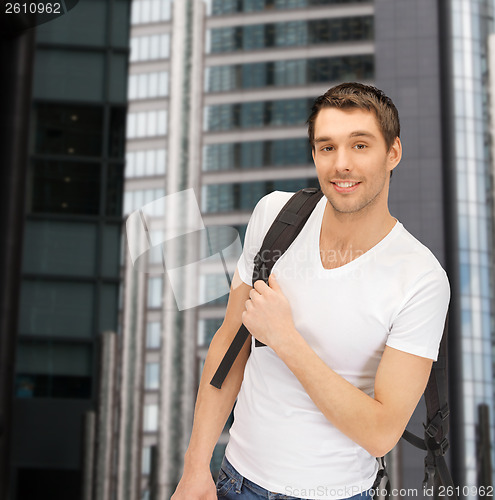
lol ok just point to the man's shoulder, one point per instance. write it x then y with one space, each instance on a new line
269 206
415 255
275 200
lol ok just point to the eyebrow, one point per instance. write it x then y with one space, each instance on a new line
357 133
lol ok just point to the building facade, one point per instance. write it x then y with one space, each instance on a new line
72 232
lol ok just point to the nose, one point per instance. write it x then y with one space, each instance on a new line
342 160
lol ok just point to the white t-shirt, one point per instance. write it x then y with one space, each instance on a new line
395 294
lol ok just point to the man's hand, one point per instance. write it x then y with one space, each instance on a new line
196 486
268 315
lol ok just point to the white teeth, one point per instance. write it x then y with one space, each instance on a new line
346 184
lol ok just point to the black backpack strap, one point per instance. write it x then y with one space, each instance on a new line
381 486
283 231
435 441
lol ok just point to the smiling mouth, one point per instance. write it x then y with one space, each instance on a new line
345 186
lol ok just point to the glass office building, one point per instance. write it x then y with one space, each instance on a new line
70 267
470 24
432 58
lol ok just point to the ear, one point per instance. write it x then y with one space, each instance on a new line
395 154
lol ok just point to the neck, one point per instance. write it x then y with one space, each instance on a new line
361 230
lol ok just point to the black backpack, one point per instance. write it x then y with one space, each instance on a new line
283 231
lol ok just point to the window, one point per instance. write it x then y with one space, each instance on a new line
150 11
65 187
68 129
53 369
256 154
150 418
146 124
244 196
216 286
133 200
73 30
152 376
57 247
57 309
222 7
148 48
288 112
145 163
148 85
208 328
153 335
155 292
66 75
288 73
146 460
114 189
293 33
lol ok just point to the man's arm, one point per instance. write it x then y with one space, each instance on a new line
213 406
376 423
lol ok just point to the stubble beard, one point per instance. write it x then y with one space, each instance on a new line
360 206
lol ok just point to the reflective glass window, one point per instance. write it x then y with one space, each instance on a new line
152 47
291 34
223 7
145 163
116 132
137 198
257 154
73 29
150 11
150 418
117 84
57 247
145 52
152 376
146 124
120 23
53 369
152 88
68 129
244 196
146 454
57 309
114 189
110 260
289 72
155 292
207 329
287 112
212 285
153 334
65 187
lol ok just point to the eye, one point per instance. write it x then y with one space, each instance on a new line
360 146
327 148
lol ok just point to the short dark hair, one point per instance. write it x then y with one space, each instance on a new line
357 95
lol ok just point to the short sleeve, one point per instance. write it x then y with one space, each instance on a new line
419 323
263 215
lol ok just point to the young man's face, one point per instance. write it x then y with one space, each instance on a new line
351 159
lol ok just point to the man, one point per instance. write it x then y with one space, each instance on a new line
352 318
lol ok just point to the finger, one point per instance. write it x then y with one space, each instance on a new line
253 293
260 286
273 283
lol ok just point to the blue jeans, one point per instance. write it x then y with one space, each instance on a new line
232 486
